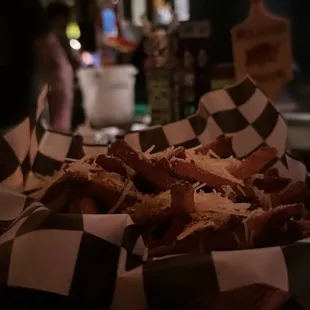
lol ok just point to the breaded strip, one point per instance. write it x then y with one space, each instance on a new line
144 213
59 194
182 199
182 206
255 163
269 227
221 147
255 232
293 193
270 184
78 185
192 173
163 164
83 205
111 164
142 165
151 215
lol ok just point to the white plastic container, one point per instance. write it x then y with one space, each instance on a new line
108 95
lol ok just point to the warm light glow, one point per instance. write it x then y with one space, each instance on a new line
75 44
87 59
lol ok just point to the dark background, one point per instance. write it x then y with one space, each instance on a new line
224 14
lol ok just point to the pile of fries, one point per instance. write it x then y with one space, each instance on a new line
187 200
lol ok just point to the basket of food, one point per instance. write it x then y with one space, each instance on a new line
205 213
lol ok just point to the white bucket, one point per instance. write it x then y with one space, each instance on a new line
108 95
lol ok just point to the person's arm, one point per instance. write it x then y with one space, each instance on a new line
58 72
52 62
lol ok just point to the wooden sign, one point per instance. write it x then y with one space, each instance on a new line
262 49
194 64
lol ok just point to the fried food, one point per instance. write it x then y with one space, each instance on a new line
222 147
141 164
188 200
191 172
93 182
269 183
83 205
111 164
255 163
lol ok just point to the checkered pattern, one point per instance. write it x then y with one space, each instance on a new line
18 148
98 258
241 111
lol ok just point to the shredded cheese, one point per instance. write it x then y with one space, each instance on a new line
197 186
238 240
150 150
121 198
206 202
213 154
167 153
227 190
263 198
220 167
162 200
241 190
193 228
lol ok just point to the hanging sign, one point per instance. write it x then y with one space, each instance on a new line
262 49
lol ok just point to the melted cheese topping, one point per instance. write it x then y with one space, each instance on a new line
219 167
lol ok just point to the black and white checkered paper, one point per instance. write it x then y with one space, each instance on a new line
98 259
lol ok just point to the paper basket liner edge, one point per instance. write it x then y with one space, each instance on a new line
65 272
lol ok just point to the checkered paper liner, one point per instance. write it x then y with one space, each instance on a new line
99 258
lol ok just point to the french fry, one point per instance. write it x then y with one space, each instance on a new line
83 205
222 147
192 173
144 214
189 201
78 185
182 206
292 193
240 236
59 195
270 184
142 165
255 163
111 164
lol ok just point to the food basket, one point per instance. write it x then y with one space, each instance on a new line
100 260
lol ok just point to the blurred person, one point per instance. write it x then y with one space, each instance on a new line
59 16
29 47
